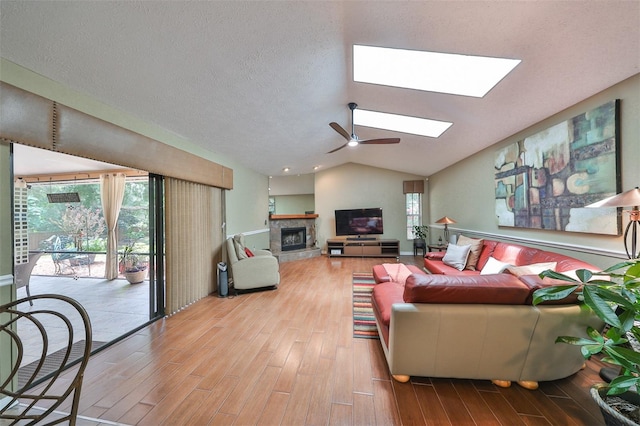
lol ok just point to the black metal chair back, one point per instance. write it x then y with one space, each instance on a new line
25 396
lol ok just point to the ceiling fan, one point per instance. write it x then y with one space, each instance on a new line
352 139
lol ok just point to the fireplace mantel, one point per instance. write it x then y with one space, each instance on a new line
292 216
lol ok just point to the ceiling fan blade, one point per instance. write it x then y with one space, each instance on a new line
339 129
380 141
337 149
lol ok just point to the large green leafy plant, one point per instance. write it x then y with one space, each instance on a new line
614 296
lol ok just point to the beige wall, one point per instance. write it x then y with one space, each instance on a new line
465 191
294 204
248 207
357 186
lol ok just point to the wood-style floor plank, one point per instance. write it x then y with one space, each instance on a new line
475 404
288 357
434 412
452 403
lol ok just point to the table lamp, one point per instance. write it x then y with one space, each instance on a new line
631 199
446 221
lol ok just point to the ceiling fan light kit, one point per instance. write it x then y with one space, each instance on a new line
352 139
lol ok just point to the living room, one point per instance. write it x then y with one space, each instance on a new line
464 189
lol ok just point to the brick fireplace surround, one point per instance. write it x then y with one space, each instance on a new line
278 222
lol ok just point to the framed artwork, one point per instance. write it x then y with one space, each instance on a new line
545 180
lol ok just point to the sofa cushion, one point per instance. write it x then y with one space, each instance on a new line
533 269
534 282
437 267
456 256
494 266
436 255
488 247
474 253
501 289
384 295
380 274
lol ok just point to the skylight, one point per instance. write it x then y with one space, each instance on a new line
400 123
430 71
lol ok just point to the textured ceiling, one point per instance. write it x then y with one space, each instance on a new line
260 81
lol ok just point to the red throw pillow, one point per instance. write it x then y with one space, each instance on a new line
248 252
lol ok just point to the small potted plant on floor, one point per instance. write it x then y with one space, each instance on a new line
614 296
130 266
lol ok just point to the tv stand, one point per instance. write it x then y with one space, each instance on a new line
363 247
360 238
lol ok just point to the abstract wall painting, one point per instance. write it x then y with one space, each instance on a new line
545 180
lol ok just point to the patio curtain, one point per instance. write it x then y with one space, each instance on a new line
111 194
193 241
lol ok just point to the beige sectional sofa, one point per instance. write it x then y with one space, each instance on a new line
473 326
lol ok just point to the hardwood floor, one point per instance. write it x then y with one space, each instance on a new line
288 357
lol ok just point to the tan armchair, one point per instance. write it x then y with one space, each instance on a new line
261 270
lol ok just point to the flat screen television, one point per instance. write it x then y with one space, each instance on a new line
359 221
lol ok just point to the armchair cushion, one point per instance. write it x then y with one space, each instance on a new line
240 251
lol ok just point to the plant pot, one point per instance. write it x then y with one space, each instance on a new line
611 416
135 277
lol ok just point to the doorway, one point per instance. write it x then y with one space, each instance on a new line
67 241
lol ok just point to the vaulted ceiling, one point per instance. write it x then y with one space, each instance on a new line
260 81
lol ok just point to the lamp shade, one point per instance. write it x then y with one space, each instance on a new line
446 220
625 199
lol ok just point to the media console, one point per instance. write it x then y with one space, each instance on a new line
363 247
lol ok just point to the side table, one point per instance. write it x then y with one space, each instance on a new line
438 247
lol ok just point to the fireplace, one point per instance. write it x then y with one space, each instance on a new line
293 238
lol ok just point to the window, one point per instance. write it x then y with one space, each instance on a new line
414 214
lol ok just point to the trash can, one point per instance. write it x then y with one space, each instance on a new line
223 282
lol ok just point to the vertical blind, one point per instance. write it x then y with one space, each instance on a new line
193 241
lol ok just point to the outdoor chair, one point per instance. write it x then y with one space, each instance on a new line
58 258
36 392
23 272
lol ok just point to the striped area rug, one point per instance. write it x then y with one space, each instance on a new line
364 322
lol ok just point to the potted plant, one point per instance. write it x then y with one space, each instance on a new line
130 266
420 232
614 296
